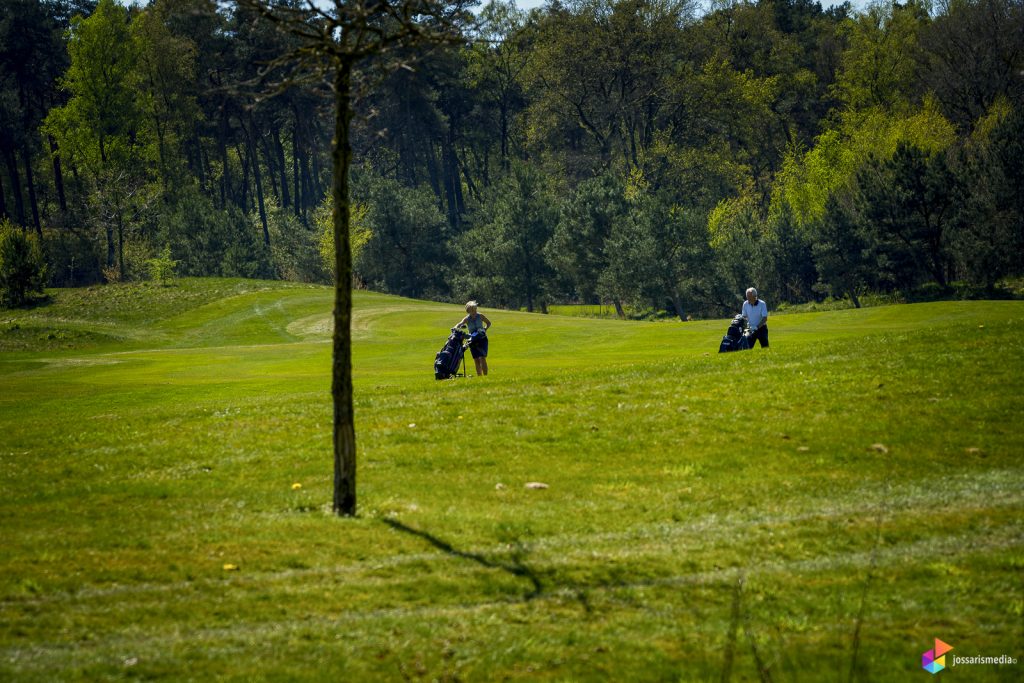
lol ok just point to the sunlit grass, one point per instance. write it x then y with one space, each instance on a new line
704 513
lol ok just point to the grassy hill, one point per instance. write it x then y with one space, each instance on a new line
820 510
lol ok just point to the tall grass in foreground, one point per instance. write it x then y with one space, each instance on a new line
819 511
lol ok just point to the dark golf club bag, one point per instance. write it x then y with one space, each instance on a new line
449 358
735 338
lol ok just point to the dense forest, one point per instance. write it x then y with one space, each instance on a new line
646 154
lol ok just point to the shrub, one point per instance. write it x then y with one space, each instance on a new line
294 249
162 267
22 268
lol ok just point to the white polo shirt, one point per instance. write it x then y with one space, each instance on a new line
755 314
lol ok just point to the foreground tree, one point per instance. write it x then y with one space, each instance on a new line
384 35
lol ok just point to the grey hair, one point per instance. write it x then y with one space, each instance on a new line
471 304
751 290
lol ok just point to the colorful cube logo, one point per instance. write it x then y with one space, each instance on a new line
934 661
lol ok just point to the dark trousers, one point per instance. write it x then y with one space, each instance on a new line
760 335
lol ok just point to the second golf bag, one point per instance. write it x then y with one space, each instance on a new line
449 358
735 338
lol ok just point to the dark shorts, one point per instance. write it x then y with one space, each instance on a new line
761 335
478 346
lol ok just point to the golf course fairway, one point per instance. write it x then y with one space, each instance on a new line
820 510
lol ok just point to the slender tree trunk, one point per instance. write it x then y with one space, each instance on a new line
58 176
3 200
677 303
618 309
206 167
271 157
12 173
486 166
460 204
282 169
31 191
470 183
111 253
295 164
316 189
432 172
120 244
504 136
246 161
307 180
254 160
201 163
451 179
225 172
158 125
341 384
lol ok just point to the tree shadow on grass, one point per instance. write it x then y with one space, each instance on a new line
516 567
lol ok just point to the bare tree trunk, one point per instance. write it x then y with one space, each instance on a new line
225 175
316 188
435 181
255 161
111 253
3 201
341 384
31 191
279 148
268 154
12 173
244 160
203 163
677 303
295 164
120 244
451 179
58 176
504 136
307 180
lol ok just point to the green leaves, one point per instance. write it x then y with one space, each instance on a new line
22 268
100 124
161 268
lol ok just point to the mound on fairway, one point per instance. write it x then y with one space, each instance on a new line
824 509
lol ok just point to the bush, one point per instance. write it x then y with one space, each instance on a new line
22 268
162 267
294 246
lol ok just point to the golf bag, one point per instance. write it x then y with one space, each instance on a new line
736 339
449 358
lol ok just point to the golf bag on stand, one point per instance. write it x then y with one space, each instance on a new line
737 338
451 356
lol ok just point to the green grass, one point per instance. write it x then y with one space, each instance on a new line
750 516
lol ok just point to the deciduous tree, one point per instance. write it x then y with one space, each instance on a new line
341 39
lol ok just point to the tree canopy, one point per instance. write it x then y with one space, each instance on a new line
644 152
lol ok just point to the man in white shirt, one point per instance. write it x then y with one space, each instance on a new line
756 312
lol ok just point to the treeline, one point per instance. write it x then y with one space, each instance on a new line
632 152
